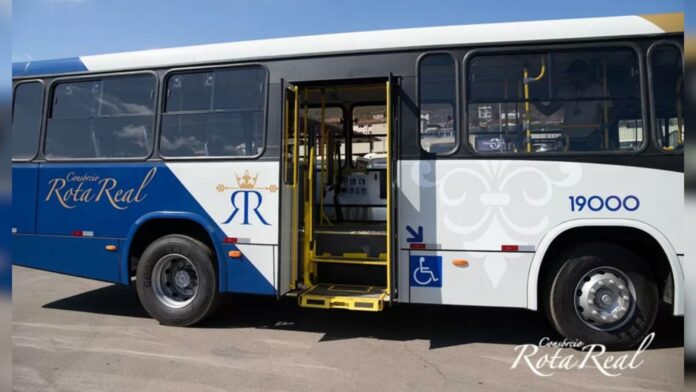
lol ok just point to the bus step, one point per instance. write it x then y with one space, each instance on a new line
341 296
351 258
378 233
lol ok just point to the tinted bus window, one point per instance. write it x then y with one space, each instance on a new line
557 101
437 83
214 113
108 118
666 71
26 120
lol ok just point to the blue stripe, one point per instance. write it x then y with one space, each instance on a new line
48 67
107 199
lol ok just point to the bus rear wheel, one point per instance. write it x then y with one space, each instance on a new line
602 293
176 280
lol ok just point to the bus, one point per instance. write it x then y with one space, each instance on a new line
535 165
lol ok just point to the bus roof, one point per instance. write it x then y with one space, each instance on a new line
489 33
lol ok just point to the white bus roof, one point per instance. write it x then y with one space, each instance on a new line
477 34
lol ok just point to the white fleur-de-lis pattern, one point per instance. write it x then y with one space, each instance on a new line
470 208
484 204
511 196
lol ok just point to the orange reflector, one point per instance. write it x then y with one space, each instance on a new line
111 248
235 254
460 263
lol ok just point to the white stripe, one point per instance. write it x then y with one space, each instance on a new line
377 40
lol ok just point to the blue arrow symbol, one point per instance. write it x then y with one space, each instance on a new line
416 236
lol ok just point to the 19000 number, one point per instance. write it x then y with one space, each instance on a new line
599 203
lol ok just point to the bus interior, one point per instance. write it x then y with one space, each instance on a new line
341 193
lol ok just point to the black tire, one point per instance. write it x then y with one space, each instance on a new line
562 291
205 299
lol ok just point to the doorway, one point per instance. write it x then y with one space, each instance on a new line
338 165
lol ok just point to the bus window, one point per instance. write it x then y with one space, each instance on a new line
26 120
666 72
369 134
437 99
214 113
585 100
110 118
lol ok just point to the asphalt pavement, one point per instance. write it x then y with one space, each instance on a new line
72 334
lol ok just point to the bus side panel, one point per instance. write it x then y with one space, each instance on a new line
82 207
487 278
77 256
482 221
104 200
243 276
24 179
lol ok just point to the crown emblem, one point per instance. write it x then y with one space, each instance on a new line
247 181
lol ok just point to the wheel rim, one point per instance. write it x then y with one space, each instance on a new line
605 299
175 280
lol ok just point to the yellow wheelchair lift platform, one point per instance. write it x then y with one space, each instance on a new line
335 296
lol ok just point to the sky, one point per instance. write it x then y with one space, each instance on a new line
45 29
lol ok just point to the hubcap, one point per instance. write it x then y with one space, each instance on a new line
175 280
605 298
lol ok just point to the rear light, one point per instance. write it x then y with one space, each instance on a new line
230 240
82 233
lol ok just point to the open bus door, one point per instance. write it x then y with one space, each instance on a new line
329 260
290 191
392 97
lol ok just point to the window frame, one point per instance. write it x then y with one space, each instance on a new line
640 61
39 140
651 92
87 78
163 101
457 114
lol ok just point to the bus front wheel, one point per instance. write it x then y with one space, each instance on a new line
602 293
176 280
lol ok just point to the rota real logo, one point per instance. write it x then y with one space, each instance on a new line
248 194
74 189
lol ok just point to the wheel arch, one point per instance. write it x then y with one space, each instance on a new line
543 255
202 228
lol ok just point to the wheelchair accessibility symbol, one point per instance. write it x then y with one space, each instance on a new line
426 271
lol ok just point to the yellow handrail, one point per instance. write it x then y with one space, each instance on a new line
308 254
528 118
305 126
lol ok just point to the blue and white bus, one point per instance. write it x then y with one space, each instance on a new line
531 165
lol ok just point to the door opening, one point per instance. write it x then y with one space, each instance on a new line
337 155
